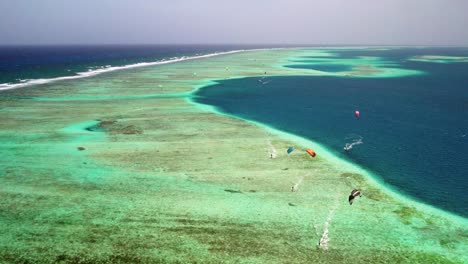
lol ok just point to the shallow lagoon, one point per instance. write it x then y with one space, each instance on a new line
174 181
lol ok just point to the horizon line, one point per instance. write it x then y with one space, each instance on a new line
235 44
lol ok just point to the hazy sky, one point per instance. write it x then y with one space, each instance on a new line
392 22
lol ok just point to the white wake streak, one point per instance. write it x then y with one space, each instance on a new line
272 149
325 239
349 146
295 186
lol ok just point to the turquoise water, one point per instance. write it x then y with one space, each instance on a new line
413 131
98 170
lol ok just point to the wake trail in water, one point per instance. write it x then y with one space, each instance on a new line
272 150
356 140
325 239
295 186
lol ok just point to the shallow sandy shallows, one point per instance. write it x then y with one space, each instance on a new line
123 167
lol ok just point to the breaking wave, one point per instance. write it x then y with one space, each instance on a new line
108 68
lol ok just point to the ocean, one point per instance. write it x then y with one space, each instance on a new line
412 133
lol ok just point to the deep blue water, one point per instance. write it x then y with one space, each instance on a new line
414 129
34 62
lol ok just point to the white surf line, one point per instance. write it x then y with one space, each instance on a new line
325 239
7 86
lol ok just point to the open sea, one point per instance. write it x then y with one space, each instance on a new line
412 133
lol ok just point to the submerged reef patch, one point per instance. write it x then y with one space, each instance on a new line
439 59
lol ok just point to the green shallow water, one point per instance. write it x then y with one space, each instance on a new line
161 179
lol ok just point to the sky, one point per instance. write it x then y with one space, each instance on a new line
296 22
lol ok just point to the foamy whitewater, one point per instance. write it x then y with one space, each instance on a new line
108 68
